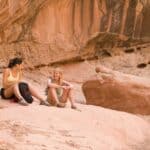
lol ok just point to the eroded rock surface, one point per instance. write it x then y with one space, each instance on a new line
55 128
118 91
45 32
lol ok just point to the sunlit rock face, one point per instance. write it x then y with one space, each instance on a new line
45 32
119 91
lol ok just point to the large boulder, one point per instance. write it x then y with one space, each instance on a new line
119 91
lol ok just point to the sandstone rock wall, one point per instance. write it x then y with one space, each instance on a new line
49 31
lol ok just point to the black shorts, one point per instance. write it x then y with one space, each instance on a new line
3 95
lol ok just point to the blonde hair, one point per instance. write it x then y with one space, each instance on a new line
60 71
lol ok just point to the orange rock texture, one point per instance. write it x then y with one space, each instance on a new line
45 32
119 91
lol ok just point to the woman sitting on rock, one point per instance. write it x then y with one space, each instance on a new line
12 79
59 90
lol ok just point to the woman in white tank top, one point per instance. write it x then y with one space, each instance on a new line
59 90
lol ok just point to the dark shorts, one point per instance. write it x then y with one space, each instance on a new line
3 95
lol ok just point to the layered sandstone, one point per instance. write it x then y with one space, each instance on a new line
45 32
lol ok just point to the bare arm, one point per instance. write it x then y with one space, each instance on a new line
53 85
20 75
66 83
5 76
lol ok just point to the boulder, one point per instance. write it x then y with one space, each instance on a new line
119 91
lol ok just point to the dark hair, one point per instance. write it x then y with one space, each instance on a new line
13 62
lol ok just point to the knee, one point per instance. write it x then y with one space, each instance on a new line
68 89
51 89
15 86
29 85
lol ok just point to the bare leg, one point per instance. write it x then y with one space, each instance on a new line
35 93
71 100
65 95
52 96
13 90
38 96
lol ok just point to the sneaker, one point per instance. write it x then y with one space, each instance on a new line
73 107
22 102
61 105
44 103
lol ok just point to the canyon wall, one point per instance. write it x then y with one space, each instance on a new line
49 31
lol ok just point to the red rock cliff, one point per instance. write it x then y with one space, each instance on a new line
48 31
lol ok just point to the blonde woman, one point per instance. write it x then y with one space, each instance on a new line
12 77
59 90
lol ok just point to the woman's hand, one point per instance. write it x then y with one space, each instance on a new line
66 87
